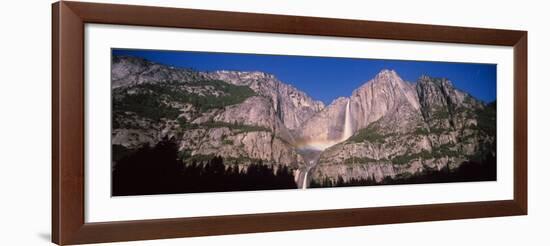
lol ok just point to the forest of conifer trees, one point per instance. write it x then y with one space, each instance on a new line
158 170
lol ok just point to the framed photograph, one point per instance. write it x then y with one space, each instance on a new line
174 122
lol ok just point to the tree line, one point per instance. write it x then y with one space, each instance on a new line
159 170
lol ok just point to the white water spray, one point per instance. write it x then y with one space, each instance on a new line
347 123
304 184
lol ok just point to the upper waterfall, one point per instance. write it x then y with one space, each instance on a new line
347 123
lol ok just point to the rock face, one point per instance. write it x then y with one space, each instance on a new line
128 71
244 117
385 95
326 127
242 132
402 130
293 106
387 128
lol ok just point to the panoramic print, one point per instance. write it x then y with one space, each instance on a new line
187 122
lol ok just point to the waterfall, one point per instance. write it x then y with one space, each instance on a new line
347 123
304 184
346 133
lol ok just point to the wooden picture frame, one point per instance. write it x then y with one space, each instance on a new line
68 223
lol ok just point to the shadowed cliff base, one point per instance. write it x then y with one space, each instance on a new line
469 171
158 170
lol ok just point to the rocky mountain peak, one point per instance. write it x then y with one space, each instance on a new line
387 81
386 94
442 104
388 90
238 77
129 71
426 80
438 92
293 106
130 60
385 78
427 126
387 75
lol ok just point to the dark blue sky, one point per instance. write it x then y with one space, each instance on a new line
326 78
